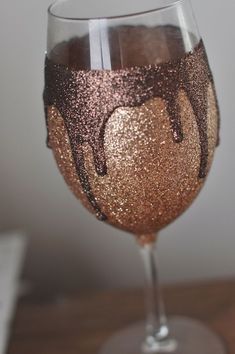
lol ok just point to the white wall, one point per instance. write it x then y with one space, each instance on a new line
66 243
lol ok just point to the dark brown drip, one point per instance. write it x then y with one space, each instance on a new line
218 111
196 87
86 100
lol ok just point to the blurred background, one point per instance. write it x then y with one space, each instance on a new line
69 249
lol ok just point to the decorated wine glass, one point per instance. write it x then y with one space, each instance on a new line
133 121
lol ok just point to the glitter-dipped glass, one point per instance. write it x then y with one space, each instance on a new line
133 121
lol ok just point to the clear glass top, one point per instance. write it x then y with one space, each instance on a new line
74 10
101 28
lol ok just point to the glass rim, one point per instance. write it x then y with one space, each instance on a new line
172 4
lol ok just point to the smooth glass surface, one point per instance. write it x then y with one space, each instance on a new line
191 337
100 44
72 9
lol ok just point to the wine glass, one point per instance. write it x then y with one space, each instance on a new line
133 122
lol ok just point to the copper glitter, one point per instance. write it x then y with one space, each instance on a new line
150 180
87 99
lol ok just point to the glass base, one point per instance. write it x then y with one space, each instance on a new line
187 337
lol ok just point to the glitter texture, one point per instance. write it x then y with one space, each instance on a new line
134 144
150 180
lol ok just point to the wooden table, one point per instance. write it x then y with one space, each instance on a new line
80 323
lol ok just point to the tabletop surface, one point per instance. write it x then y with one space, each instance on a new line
80 323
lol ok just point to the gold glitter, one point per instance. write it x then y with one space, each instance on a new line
148 183
87 99
133 143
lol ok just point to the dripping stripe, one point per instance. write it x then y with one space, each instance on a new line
84 180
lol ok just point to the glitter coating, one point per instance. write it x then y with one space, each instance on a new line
87 99
151 180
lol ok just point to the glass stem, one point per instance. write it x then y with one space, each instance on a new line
157 331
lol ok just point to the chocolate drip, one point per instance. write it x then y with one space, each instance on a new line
84 179
196 87
87 99
174 114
